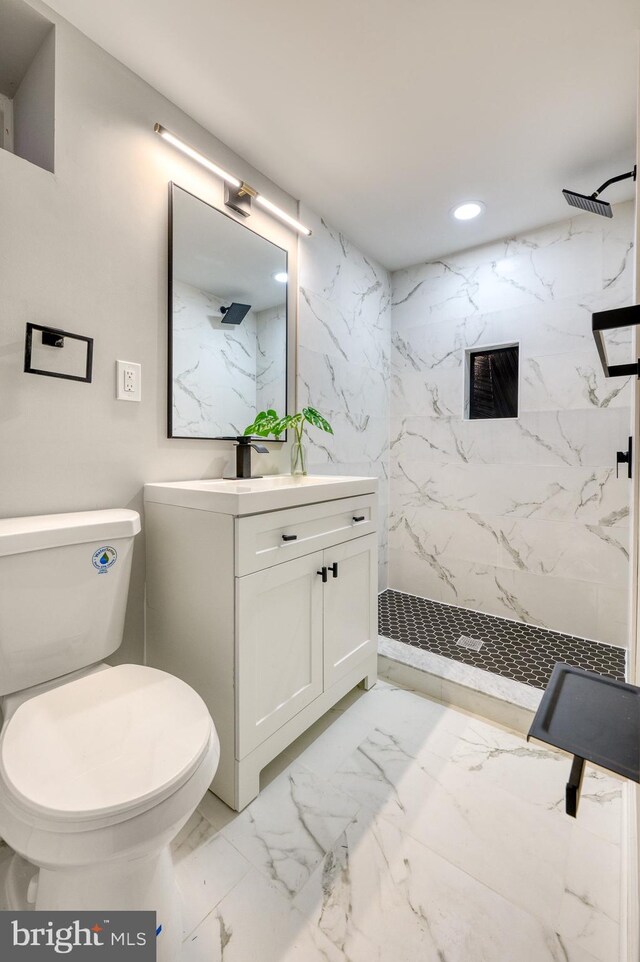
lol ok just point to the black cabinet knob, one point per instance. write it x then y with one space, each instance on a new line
360 517
323 572
334 569
289 537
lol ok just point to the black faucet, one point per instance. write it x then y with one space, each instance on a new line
243 456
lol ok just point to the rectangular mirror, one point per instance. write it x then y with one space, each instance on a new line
227 322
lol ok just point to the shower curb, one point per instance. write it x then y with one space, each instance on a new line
492 697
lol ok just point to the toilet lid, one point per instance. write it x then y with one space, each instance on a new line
105 742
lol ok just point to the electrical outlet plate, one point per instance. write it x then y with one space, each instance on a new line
128 381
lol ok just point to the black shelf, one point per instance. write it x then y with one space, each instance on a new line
595 718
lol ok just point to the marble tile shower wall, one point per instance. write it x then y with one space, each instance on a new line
271 332
522 517
343 359
214 366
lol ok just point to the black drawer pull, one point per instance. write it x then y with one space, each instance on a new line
360 517
334 569
323 572
289 537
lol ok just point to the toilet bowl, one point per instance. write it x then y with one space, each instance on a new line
101 767
97 776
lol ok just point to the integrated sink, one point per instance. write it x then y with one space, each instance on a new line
255 495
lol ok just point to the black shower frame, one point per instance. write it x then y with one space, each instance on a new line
603 321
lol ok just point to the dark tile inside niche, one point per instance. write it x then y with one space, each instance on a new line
518 651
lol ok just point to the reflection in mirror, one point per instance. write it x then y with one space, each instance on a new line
227 322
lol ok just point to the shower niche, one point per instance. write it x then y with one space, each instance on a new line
27 84
492 383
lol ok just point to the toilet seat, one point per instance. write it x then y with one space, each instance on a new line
104 745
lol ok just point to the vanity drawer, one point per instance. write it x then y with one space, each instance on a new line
264 540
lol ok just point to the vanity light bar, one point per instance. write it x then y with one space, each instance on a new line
230 179
282 215
196 155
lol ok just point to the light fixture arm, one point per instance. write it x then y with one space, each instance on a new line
239 199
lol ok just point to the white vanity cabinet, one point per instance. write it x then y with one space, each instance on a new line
270 615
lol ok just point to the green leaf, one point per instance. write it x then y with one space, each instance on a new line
278 427
263 424
268 423
281 425
314 417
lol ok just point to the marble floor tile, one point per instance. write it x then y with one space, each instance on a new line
193 835
404 830
290 826
533 771
327 744
487 832
600 810
588 930
402 710
205 876
380 895
593 872
254 923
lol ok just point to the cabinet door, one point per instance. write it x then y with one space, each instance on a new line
278 645
350 606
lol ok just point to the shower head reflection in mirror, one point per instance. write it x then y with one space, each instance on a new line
227 322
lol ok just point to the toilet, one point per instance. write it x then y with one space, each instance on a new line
100 767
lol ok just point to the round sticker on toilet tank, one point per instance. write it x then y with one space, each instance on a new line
104 558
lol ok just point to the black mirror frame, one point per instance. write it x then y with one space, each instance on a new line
282 439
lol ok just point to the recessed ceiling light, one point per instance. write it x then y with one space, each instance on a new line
468 211
281 277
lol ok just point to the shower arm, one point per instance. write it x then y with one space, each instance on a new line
613 180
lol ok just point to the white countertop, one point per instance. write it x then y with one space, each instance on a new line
255 495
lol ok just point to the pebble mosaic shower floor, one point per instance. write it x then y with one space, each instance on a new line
518 651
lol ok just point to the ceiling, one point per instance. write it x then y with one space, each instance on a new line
383 114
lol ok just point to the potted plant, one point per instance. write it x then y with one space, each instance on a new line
268 422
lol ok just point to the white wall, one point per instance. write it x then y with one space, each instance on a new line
85 249
518 517
343 359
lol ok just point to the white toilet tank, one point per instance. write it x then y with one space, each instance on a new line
64 581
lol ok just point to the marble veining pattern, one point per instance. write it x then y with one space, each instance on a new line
398 829
271 375
520 517
344 360
222 373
